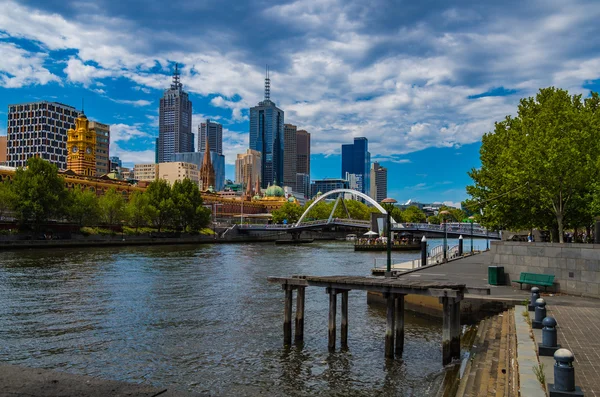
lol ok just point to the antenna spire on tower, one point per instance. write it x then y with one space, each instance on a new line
176 82
267 85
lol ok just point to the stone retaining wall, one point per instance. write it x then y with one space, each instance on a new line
576 267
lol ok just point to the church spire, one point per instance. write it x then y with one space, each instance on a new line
207 171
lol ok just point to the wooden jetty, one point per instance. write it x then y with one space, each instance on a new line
393 289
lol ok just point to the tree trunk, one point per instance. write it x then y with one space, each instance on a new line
559 221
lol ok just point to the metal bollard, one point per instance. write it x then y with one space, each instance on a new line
460 245
540 313
549 343
564 375
535 294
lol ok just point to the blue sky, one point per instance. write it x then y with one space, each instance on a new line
423 81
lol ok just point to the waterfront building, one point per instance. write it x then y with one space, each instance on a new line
81 147
326 185
206 179
39 129
217 160
290 156
174 121
102 132
214 133
178 171
303 184
145 172
378 182
248 168
266 137
3 140
356 159
115 163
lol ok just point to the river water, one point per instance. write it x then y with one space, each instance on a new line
204 319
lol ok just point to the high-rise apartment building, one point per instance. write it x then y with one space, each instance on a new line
214 133
303 152
290 156
266 136
102 132
247 168
3 140
378 182
356 159
39 129
174 121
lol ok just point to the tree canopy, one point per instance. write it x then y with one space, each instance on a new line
540 168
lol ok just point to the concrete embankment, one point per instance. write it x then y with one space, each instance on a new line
35 382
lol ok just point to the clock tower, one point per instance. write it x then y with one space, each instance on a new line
81 147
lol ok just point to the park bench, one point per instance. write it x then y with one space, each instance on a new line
547 280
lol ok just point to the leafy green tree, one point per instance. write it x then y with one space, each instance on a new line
188 206
534 167
84 208
7 198
138 210
413 214
161 203
289 211
321 210
40 193
112 207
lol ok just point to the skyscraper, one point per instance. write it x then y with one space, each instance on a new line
247 168
214 132
356 159
174 121
102 132
290 157
39 129
303 162
266 137
378 182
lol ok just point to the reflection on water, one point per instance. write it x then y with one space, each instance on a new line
203 319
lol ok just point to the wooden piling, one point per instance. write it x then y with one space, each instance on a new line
300 314
287 315
332 315
344 335
450 330
399 325
389 331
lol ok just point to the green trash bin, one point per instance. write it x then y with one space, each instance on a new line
496 275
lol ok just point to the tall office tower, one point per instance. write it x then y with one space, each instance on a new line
102 132
39 129
174 121
303 184
290 156
247 168
81 146
266 136
378 182
303 152
214 132
356 159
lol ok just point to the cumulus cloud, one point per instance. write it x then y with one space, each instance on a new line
19 67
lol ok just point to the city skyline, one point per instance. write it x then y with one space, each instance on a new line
422 84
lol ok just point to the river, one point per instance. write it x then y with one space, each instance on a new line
204 319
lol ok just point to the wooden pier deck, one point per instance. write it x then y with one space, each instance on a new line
393 289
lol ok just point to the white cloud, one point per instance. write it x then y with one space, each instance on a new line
19 67
78 72
125 133
136 103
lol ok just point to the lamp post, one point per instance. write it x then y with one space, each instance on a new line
444 213
471 218
388 204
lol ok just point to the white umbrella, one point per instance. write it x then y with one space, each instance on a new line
370 233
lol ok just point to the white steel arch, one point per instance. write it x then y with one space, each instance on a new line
337 191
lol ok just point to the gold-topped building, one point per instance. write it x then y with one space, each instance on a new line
81 147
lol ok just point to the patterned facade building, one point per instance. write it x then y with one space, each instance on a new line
378 182
290 157
214 133
145 172
39 129
303 162
81 146
174 121
266 137
102 132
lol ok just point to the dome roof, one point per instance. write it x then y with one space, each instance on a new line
275 191
291 199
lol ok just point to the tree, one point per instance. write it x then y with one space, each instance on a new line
83 207
112 207
40 193
321 210
7 198
536 165
188 206
161 204
138 210
413 214
289 211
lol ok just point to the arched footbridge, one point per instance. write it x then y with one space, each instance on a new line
451 229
